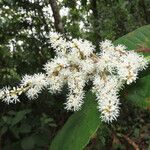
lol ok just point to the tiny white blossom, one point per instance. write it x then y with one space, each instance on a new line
55 83
106 45
9 96
35 83
74 101
1 94
75 64
58 43
84 47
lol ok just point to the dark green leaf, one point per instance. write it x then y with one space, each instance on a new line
25 128
3 130
19 116
80 127
139 93
136 39
28 143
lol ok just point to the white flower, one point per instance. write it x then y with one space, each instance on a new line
1 94
32 93
58 43
74 101
106 45
87 66
136 61
9 96
55 65
76 64
76 81
55 83
109 110
84 47
35 84
121 48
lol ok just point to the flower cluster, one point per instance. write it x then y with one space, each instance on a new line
75 64
30 85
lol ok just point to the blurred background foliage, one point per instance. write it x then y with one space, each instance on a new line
25 47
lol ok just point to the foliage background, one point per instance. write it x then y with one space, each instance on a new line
25 47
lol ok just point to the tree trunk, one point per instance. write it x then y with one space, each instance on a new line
58 22
95 22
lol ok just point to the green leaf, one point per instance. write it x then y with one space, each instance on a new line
28 143
7 119
3 130
25 128
138 93
79 128
15 131
136 39
19 116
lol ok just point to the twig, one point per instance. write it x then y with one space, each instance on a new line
131 142
143 49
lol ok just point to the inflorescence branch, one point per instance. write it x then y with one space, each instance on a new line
75 64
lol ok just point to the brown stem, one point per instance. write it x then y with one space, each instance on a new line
120 135
95 23
58 22
131 142
143 49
